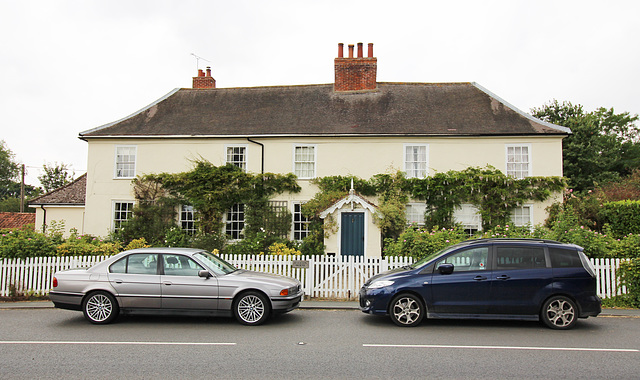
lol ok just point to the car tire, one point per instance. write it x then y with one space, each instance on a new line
406 310
559 313
100 308
251 308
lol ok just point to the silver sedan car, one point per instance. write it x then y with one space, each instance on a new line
179 281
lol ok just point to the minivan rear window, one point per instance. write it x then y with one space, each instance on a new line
520 258
564 258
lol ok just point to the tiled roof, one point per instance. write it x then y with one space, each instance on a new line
393 109
73 193
16 219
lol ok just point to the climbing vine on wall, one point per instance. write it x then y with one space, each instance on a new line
491 191
212 190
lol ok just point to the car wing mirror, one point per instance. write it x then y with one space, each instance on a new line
445 268
204 273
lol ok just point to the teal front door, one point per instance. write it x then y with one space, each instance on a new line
352 234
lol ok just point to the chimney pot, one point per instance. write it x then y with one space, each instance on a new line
355 74
208 71
200 73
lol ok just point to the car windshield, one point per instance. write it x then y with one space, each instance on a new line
432 256
216 264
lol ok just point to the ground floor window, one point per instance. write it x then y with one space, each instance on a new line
278 222
468 216
300 223
187 219
235 221
122 211
415 213
522 216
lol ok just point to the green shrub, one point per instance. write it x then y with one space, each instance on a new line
87 245
630 277
25 242
418 243
623 217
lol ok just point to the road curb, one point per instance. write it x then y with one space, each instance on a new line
307 305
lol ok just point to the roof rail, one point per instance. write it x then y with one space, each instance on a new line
484 240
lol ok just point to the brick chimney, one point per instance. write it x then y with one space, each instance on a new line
204 80
355 74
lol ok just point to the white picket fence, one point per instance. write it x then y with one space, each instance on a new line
322 276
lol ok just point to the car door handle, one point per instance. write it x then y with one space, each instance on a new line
479 278
167 283
503 277
118 281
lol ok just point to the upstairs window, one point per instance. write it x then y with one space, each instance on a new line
125 162
519 161
237 155
304 161
415 160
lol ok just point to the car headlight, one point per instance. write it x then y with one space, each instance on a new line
380 284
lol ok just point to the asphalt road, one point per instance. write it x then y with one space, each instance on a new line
311 344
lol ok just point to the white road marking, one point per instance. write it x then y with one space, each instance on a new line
118 343
503 347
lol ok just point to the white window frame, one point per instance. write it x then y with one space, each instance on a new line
468 216
187 210
514 217
516 173
415 213
245 163
117 170
115 223
230 231
314 162
303 221
415 172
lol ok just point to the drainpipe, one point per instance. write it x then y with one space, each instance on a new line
262 146
44 219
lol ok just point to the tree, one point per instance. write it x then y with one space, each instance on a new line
603 146
9 170
9 184
55 176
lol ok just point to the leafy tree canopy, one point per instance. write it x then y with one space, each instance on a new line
55 176
9 170
603 146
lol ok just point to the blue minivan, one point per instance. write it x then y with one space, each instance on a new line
523 279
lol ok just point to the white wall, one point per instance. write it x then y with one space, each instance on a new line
359 156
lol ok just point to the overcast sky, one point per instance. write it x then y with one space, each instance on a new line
69 66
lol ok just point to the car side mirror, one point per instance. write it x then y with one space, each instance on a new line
445 268
204 273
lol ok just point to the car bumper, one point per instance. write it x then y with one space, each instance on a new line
374 301
287 303
590 307
69 301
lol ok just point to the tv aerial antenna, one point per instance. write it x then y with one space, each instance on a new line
198 58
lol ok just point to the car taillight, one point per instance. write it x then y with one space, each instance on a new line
55 282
